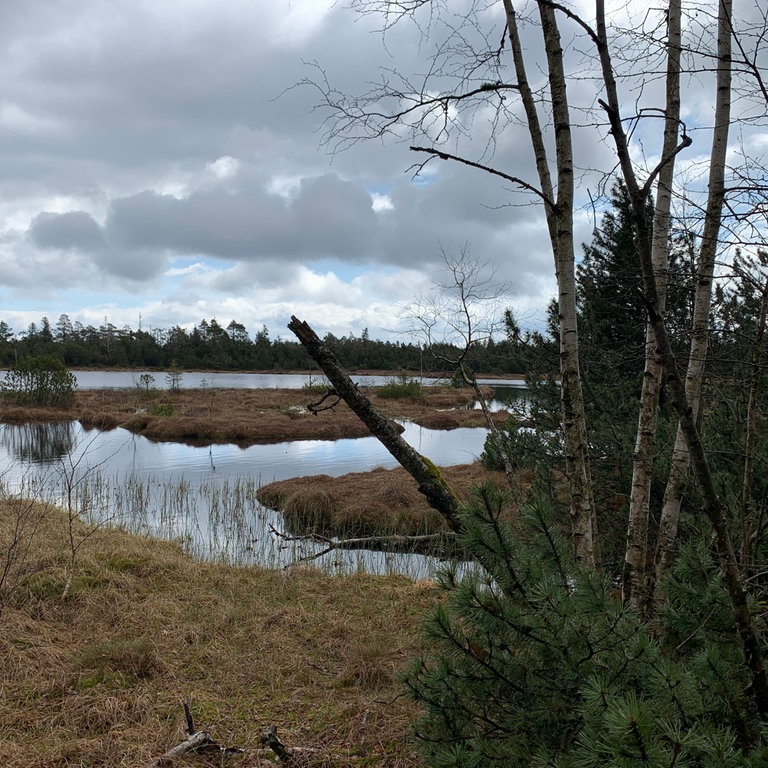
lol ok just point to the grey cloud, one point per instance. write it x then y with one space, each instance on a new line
137 264
335 217
76 229
78 232
329 216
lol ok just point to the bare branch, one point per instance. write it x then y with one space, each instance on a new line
441 544
513 179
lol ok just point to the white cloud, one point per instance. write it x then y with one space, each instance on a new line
225 167
157 161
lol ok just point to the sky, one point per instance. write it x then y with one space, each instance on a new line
162 163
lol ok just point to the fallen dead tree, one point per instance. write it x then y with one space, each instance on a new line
202 743
197 742
431 482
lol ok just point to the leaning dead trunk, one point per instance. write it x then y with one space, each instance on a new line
431 482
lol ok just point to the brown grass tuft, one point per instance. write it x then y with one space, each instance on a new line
98 679
380 502
309 510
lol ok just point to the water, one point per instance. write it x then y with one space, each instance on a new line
237 380
205 496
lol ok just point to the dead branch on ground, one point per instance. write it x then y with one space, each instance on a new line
441 544
197 742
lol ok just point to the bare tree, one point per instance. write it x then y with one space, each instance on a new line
473 60
464 311
558 196
708 248
635 572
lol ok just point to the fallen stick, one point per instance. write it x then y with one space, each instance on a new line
441 544
196 741
293 757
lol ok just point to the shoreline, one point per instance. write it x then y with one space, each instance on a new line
248 416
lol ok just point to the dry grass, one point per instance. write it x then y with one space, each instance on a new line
98 679
246 416
379 502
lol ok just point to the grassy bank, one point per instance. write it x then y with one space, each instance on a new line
381 502
247 416
97 679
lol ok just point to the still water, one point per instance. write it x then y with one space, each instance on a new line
237 380
205 496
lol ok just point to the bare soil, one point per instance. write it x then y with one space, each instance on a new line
248 416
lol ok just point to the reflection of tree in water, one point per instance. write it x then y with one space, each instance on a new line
38 443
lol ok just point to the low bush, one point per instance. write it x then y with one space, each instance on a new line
400 388
39 381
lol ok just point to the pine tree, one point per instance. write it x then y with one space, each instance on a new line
532 662
612 315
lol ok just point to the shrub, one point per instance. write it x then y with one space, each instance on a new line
524 446
400 388
530 661
42 381
161 409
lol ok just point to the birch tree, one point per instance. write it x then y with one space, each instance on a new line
482 81
635 573
708 249
501 75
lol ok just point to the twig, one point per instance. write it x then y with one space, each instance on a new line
190 720
314 408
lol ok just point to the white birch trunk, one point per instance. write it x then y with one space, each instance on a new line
560 222
678 476
635 574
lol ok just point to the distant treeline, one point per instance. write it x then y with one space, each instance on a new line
209 346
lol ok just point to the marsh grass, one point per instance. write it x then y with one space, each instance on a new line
376 503
98 679
245 416
401 388
234 520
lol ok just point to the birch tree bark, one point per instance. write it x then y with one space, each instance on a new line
559 214
697 456
635 572
678 476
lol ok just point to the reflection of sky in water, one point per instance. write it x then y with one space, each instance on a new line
119 458
119 451
235 380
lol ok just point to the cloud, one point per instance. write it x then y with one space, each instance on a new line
157 159
73 230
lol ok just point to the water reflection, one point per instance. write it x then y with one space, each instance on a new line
206 497
38 443
238 380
